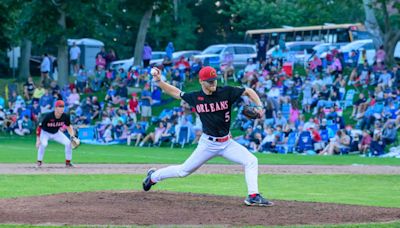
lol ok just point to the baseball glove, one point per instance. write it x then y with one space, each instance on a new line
75 142
250 112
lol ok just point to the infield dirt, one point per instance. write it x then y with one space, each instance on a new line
167 208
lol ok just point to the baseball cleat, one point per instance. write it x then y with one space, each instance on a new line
69 165
39 164
257 200
147 183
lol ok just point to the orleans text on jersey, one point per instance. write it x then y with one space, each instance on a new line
215 109
212 107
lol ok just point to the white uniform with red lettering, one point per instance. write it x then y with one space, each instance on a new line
215 114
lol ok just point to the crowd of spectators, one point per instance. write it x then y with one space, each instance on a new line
323 94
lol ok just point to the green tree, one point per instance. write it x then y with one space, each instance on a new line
264 14
382 20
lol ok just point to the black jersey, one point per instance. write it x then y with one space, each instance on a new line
215 109
51 124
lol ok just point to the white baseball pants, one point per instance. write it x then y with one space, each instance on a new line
58 137
208 149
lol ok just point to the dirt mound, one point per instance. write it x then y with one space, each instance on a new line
166 208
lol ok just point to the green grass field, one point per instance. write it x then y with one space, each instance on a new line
368 190
22 150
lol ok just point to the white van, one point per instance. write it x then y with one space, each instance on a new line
214 54
360 45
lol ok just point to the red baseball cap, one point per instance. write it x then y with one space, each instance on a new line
59 103
208 74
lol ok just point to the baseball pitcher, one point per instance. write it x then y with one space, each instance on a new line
49 129
213 104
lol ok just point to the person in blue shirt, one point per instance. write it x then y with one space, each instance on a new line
46 102
146 101
169 50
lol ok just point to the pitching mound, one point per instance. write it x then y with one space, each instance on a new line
165 208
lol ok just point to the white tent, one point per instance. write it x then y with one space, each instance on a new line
89 48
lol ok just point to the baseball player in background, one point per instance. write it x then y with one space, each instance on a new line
213 104
49 128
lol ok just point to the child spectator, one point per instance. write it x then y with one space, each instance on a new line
29 88
137 132
365 143
24 127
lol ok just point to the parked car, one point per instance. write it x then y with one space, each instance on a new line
157 56
297 51
397 52
358 46
321 50
214 54
127 63
177 55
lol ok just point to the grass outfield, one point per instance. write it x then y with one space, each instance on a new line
22 150
368 190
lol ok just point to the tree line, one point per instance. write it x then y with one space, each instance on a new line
39 26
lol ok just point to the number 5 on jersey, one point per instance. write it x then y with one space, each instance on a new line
227 117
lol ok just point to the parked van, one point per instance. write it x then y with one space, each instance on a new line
297 51
214 54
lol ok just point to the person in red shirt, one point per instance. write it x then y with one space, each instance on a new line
133 107
182 65
365 143
317 140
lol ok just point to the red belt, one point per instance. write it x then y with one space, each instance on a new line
222 139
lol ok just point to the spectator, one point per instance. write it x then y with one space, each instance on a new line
377 147
385 79
54 88
82 80
146 103
46 102
380 55
24 127
29 88
133 107
195 68
74 55
146 56
2 117
262 47
156 96
365 143
389 133
107 136
12 99
96 108
227 66
100 62
340 143
111 56
169 50
137 132
268 143
45 67
35 111
307 96
111 95
38 92
73 98
102 52
154 136
280 120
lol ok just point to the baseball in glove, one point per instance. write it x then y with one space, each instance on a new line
251 112
75 142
